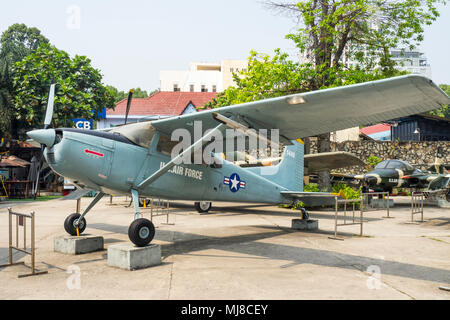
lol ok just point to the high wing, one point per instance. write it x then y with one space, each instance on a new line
316 112
330 160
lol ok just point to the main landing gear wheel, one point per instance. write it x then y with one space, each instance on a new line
141 232
203 206
70 226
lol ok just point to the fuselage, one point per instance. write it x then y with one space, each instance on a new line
111 163
391 174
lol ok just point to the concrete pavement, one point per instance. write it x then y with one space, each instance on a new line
239 251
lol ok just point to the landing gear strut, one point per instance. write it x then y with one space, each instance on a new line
141 230
75 223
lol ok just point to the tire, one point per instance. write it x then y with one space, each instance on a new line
69 224
141 232
203 206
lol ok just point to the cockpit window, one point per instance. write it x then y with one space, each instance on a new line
141 133
395 165
381 165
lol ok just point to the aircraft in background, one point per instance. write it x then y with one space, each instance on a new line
136 158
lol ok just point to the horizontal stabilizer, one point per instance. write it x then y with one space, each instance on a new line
312 199
330 160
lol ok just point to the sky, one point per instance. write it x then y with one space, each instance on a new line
132 41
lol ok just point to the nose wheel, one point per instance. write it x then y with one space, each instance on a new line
70 224
141 232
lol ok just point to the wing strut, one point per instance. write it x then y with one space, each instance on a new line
175 160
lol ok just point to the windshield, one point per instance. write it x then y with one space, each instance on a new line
381 165
140 133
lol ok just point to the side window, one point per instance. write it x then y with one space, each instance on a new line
165 145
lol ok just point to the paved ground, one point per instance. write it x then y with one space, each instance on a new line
240 251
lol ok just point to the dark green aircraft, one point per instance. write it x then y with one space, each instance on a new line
390 174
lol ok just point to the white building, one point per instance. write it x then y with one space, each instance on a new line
412 61
202 77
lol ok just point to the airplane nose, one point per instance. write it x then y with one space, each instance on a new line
43 136
371 180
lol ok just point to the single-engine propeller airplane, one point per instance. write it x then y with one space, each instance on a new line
136 158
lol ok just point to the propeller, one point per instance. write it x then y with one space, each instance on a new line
46 136
130 96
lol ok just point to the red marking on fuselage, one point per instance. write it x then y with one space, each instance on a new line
94 153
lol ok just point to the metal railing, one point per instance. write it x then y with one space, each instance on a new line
158 207
352 218
21 221
367 204
417 199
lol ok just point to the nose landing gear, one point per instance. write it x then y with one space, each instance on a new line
70 224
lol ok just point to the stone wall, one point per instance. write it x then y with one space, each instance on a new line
416 153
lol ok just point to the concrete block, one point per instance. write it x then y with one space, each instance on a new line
129 257
78 245
380 203
301 224
443 203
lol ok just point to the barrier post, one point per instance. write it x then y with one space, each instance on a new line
21 220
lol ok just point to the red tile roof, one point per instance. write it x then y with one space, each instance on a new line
162 103
375 129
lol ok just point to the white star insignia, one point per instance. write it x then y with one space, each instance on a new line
234 183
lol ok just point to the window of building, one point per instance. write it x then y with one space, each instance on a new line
204 89
214 88
191 88
231 69
175 87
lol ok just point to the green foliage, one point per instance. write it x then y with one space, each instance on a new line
79 90
18 41
6 102
443 111
297 205
311 187
372 161
333 32
348 192
120 95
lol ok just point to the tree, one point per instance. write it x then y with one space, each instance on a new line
18 41
79 90
333 32
137 93
444 111
6 103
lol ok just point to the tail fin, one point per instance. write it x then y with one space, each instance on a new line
289 172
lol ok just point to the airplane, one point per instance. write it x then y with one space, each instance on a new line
394 173
135 159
